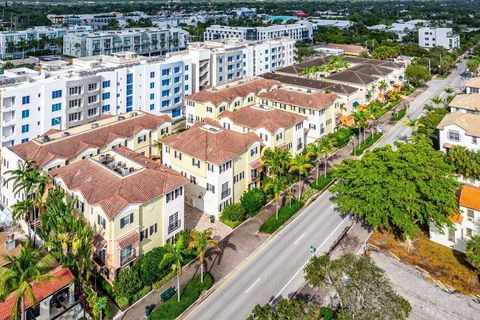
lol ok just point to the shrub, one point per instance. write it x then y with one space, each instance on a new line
127 283
234 212
149 266
341 137
322 181
307 194
171 309
284 214
164 280
326 313
137 295
231 224
122 302
253 200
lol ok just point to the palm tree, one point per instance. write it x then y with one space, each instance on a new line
28 268
300 164
276 161
449 90
23 45
175 253
383 86
201 241
437 100
21 211
327 146
33 44
361 119
276 185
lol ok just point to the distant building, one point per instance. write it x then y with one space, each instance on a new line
245 13
438 37
147 41
95 20
465 221
472 85
340 24
297 31
466 103
459 129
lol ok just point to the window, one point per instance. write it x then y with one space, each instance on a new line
75 90
101 221
26 100
253 151
177 70
56 121
106 108
225 190
451 235
56 107
186 87
454 135
56 94
186 68
152 96
25 114
165 93
210 187
165 82
142 138
126 220
225 166
174 194
210 167
105 95
165 103
177 155
176 100
186 77
468 232
209 109
153 229
23 141
279 136
106 84
173 222
25 128
470 215
129 89
177 79
74 116
92 99
144 234
195 162
129 78
176 90
165 72
193 179
164 131
152 106
75 103
152 85
152 75
474 140
92 112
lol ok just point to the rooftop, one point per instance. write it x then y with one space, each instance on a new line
208 141
467 121
116 178
473 82
257 117
316 100
466 101
68 144
469 197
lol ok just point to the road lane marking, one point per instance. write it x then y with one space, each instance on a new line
302 267
303 235
253 285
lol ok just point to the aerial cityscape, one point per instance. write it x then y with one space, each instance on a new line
260 160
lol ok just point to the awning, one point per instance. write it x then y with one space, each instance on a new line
456 218
256 164
447 145
128 239
99 242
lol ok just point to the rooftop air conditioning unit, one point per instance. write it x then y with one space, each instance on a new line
95 125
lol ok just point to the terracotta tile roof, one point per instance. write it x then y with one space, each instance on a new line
101 186
318 100
233 91
466 101
128 239
456 218
467 121
215 147
71 146
347 48
269 118
473 82
470 197
63 277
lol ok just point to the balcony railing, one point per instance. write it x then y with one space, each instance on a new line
126 259
174 226
254 175
226 193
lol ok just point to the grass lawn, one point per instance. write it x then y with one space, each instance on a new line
367 143
284 214
447 265
171 309
322 181
399 115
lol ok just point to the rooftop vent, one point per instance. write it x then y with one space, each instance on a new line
121 118
95 125
45 138
134 113
66 134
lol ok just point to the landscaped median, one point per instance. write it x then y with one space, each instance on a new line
398 115
284 214
367 144
172 308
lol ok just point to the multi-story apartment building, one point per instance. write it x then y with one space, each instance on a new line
459 129
466 103
96 20
209 103
472 85
465 221
221 62
276 128
297 31
136 131
429 37
147 41
319 108
63 96
221 164
133 203
37 38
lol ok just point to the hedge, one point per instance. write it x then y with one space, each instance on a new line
284 214
230 223
171 309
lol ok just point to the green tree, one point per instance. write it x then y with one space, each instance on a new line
253 200
276 161
417 74
473 65
275 185
302 166
174 255
29 268
363 290
473 251
285 310
234 212
429 122
466 162
127 283
201 241
11 47
399 190
437 100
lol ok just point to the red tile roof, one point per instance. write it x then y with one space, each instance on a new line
233 91
128 239
470 197
318 100
101 186
269 118
71 146
62 277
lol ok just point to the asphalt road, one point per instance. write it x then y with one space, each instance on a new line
275 270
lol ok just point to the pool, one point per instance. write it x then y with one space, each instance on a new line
283 18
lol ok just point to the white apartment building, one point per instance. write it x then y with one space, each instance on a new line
36 38
472 85
62 96
147 41
465 221
296 31
442 37
459 129
216 63
96 20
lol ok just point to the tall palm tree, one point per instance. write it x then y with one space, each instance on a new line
202 241
11 47
383 86
276 161
23 45
29 268
328 147
300 164
449 90
21 211
175 253
437 100
275 184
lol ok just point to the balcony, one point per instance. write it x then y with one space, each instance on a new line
226 193
128 258
174 226
254 175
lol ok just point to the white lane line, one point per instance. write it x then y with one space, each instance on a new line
303 235
302 267
253 285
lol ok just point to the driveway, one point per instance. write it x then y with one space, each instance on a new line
199 220
428 300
